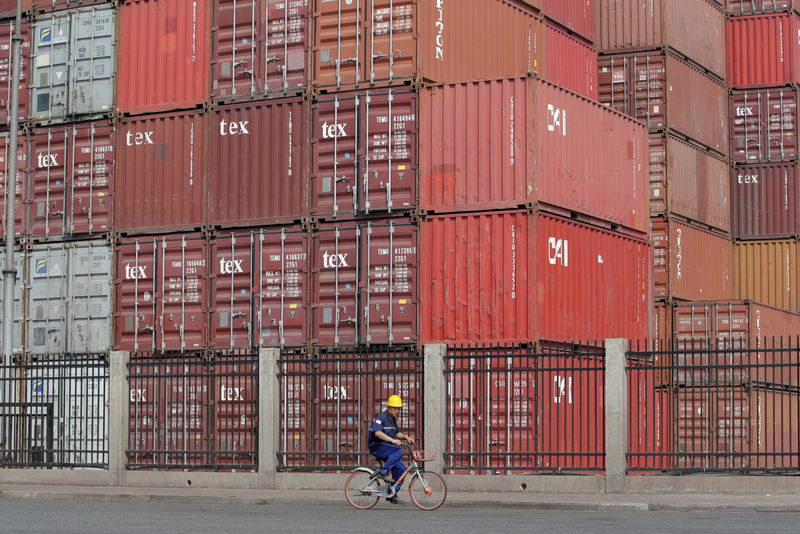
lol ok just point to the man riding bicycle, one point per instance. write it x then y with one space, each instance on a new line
385 441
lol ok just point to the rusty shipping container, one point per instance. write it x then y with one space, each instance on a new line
763 50
764 124
518 276
6 53
667 93
575 15
522 132
162 296
385 42
159 174
757 7
258 163
765 201
689 181
681 261
71 182
164 55
571 62
695 28
21 189
767 271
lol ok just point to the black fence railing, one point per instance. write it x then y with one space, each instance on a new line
329 397
54 412
193 410
714 406
520 409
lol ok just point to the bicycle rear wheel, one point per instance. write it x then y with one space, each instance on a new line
360 491
428 490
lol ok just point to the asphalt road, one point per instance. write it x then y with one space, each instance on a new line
42 516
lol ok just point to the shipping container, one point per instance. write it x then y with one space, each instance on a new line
258 163
73 62
70 191
767 272
755 7
370 43
162 296
764 124
6 54
8 8
260 48
571 62
259 288
689 181
695 28
17 346
765 201
522 133
47 6
164 55
68 298
690 263
575 15
365 282
650 411
763 50
21 193
159 177
513 275
667 93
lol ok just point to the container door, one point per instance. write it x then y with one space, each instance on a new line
183 413
511 421
50 67
339 43
746 122
235 432
693 428
336 285
89 300
6 51
48 182
295 413
232 264
237 41
21 192
91 179
649 90
48 281
285 67
335 153
136 295
92 69
392 46
781 129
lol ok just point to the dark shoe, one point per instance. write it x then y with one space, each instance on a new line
386 478
394 500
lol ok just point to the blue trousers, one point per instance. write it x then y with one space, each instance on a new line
392 456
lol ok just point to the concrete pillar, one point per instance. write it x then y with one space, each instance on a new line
118 415
616 414
435 404
269 410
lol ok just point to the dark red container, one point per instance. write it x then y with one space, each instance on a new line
575 15
571 62
8 8
21 183
365 282
47 6
755 7
763 50
258 163
159 175
765 201
764 124
6 54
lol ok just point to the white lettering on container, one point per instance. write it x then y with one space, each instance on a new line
558 251
439 26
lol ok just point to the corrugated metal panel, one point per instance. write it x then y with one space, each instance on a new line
8 8
571 62
681 261
258 162
662 323
164 51
667 93
575 15
763 50
765 201
767 271
47 6
73 64
388 41
21 192
159 174
753 7
6 53
71 180
17 347
696 28
764 124
689 181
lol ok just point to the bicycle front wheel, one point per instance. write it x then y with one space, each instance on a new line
428 490
360 491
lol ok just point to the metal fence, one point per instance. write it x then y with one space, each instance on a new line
329 397
193 410
523 409
708 406
54 412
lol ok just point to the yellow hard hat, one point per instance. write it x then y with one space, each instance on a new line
395 401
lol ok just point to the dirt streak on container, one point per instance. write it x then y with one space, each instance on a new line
689 181
667 93
764 124
695 28
17 347
162 294
164 51
763 50
260 288
575 15
258 163
765 201
767 272
571 62
754 7
381 42
365 282
21 192
159 174
364 153
259 47
6 53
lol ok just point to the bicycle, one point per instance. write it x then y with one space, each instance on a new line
428 491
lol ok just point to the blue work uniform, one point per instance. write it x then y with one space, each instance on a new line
391 454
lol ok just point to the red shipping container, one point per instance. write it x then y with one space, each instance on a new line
575 15
8 8
259 289
365 282
295 413
162 294
754 7
21 192
159 177
6 54
164 50
667 93
235 432
384 42
768 271
364 153
688 181
258 163
571 62
695 28
681 261
765 201
764 125
763 50
71 180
